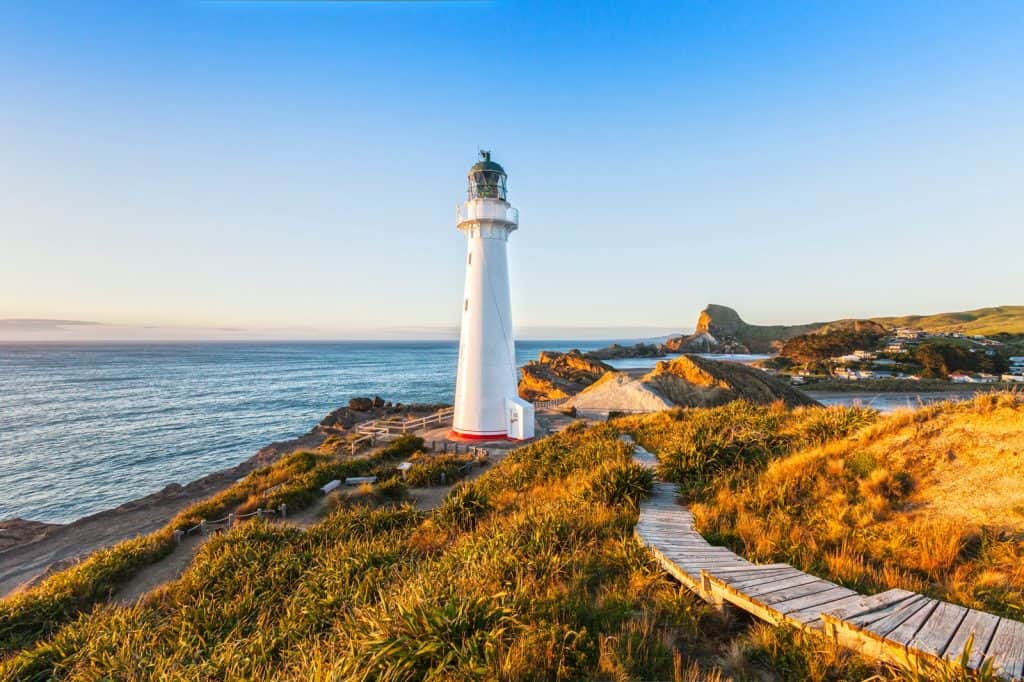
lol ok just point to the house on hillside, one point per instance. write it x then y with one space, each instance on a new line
910 334
980 378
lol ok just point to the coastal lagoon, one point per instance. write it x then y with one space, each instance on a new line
87 426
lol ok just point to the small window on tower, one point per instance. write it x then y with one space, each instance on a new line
465 305
470 261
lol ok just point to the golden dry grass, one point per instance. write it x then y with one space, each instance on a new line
928 500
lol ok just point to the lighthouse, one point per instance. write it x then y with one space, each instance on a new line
487 402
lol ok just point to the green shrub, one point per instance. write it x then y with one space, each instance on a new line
430 470
393 489
403 446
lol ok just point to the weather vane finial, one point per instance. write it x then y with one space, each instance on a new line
485 154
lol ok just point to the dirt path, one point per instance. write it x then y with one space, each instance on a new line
58 547
431 498
174 565
164 571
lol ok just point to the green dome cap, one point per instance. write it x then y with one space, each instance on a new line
485 164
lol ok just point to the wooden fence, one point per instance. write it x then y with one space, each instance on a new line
540 404
209 526
390 428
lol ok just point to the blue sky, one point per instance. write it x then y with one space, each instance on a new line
291 169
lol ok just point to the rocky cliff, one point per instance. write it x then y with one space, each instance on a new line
558 375
720 329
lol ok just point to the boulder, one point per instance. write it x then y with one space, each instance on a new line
360 404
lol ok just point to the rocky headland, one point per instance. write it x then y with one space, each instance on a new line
554 375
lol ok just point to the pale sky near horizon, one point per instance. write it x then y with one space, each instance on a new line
286 169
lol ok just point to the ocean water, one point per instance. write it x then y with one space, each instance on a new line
85 427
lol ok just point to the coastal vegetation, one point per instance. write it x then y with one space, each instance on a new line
896 505
827 344
530 571
294 480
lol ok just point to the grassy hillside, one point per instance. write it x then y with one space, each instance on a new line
1008 319
930 501
531 571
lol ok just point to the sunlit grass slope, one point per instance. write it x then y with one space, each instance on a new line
931 500
529 573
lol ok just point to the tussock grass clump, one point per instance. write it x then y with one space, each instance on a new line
428 470
403 446
621 484
462 508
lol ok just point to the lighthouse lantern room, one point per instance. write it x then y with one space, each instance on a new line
487 403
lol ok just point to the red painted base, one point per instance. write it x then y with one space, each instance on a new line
478 436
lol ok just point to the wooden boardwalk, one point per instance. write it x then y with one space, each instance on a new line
896 626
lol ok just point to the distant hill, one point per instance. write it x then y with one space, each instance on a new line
721 329
1007 319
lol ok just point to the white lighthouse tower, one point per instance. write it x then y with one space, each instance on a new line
487 403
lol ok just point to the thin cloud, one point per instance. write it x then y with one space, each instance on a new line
41 324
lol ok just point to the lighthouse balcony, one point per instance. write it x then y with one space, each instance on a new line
486 210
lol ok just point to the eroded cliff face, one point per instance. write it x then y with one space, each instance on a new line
558 375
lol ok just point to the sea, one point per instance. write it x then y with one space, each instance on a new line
88 426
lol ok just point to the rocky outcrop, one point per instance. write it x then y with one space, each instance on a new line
361 409
637 350
694 381
22 531
687 381
558 375
720 329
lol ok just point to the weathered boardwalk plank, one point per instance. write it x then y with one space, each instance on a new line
1007 648
897 626
977 628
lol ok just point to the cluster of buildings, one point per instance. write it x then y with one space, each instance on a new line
866 364
856 374
1016 370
